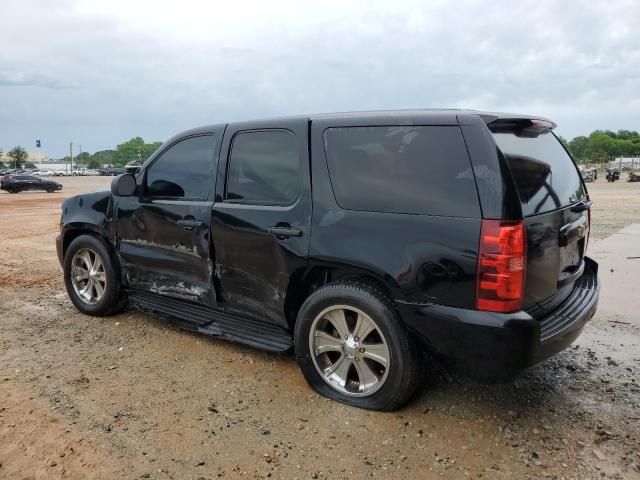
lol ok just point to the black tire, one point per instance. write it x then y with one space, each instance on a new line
113 299
49 189
401 379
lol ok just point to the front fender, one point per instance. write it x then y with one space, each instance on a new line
89 212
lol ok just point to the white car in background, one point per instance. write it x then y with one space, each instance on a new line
44 173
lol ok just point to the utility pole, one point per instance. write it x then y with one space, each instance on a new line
71 156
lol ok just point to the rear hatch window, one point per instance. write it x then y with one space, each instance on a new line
545 175
402 169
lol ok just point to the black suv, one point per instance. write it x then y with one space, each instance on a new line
19 183
358 239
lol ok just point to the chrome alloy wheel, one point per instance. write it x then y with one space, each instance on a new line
349 350
88 277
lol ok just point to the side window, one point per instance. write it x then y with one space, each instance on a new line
183 171
402 169
264 168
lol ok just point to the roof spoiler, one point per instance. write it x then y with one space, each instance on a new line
521 126
498 122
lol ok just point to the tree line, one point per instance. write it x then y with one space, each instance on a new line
604 145
135 149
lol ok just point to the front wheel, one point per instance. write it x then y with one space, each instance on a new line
49 189
92 277
352 347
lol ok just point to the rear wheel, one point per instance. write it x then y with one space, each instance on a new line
92 277
352 347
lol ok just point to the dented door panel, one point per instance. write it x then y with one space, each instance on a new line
161 255
254 260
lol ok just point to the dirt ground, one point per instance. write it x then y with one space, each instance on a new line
131 397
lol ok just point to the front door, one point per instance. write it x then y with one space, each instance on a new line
163 233
261 216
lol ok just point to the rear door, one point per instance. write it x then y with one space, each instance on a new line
261 216
555 207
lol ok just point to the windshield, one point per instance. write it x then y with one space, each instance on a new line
545 175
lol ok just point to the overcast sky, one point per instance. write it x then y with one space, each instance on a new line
99 72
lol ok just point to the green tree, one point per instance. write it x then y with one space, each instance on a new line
602 145
82 158
135 149
93 163
18 157
578 147
563 141
104 157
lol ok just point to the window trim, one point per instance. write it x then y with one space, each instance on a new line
144 196
240 201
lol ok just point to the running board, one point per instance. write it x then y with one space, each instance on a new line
210 321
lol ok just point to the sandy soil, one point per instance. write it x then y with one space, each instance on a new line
132 397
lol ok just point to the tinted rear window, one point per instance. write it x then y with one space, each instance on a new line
402 169
264 168
545 175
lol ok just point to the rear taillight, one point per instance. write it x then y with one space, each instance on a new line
501 266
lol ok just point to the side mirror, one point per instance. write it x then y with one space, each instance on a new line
124 185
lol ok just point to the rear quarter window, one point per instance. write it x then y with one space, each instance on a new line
402 169
546 177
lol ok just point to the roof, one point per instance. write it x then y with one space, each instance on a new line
444 116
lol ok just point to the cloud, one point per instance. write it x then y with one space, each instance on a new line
32 79
113 70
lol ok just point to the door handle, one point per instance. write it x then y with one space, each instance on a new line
190 224
283 232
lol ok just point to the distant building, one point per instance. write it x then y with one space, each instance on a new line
625 162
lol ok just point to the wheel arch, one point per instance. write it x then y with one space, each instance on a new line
75 230
305 281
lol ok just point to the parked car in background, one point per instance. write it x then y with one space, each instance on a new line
20 183
356 238
112 171
92 173
44 173
132 167
79 172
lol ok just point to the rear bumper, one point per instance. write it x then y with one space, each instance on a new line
492 346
